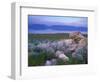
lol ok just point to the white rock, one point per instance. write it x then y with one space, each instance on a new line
68 41
62 56
48 62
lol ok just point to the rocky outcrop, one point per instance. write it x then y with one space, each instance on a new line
76 45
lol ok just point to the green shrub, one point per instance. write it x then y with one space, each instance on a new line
37 60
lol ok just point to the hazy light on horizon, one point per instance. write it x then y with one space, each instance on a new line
63 21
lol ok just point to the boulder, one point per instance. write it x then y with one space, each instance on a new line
62 56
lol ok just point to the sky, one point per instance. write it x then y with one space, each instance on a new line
56 24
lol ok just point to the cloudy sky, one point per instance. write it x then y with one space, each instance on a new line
56 24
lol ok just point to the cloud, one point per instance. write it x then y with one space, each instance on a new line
57 24
58 20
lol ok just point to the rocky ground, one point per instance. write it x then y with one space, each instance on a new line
58 52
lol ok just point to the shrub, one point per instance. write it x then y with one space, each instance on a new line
37 60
